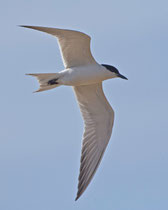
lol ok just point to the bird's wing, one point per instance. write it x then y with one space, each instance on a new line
74 46
98 119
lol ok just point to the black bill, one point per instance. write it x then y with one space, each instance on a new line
121 76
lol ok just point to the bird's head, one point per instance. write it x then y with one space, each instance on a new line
115 71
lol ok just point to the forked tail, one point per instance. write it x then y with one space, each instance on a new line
46 81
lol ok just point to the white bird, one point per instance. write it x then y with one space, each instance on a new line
85 75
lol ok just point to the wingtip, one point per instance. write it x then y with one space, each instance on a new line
30 75
35 91
23 26
26 26
77 197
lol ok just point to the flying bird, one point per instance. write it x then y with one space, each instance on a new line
85 75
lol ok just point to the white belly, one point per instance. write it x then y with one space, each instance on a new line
84 75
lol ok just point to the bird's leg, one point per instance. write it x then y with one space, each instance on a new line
53 82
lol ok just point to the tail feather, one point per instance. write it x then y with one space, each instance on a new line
47 81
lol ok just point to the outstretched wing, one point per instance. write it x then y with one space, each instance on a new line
74 46
98 119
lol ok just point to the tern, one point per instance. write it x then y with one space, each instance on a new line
85 75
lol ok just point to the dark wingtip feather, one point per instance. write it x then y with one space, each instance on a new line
77 197
24 26
80 192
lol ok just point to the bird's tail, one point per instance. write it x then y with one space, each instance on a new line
46 81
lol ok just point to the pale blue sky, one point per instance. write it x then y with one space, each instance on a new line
40 138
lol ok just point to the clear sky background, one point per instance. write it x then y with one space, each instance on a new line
40 137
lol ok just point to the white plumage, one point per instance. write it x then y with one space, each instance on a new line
86 76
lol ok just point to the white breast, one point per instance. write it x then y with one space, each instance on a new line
84 75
